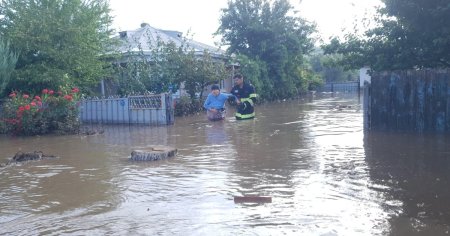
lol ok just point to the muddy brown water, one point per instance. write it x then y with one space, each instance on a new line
325 175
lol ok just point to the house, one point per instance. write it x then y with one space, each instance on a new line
142 39
146 36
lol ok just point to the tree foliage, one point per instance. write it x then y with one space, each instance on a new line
200 71
60 42
170 67
329 69
269 33
8 60
409 34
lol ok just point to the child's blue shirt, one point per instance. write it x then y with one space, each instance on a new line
217 102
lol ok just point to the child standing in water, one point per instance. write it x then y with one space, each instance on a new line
215 104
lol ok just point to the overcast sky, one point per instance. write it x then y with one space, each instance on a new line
201 17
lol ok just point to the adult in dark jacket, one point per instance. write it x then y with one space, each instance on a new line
246 98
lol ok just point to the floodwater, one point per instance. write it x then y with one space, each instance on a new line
326 176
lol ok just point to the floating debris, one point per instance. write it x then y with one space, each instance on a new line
252 199
27 156
153 153
30 156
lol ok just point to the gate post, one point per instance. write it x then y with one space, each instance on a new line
366 106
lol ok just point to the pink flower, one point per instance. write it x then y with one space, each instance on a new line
33 104
75 90
51 92
21 108
37 98
12 95
68 97
45 91
26 96
27 107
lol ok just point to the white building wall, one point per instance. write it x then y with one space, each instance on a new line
364 76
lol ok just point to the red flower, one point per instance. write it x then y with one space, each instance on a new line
33 104
45 91
68 97
75 90
12 95
26 96
21 108
27 107
37 98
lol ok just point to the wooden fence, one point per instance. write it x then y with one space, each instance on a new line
145 109
417 100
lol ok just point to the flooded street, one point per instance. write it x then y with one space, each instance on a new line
325 175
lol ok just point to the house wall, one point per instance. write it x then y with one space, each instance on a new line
416 100
364 76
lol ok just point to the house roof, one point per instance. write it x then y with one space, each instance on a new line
147 36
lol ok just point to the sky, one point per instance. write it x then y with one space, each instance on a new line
200 18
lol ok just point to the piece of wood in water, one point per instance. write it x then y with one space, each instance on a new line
252 199
153 153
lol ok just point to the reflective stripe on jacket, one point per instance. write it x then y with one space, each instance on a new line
246 96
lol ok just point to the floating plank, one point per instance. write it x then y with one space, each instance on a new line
252 199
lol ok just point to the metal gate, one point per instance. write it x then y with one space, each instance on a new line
155 109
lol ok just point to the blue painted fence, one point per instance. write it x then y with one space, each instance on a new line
155 109
341 87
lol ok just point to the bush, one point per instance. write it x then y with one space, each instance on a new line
50 112
186 106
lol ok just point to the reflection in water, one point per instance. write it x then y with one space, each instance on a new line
414 170
216 134
324 174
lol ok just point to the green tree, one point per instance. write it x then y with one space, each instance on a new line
269 31
199 72
61 42
169 67
8 60
409 34
329 69
255 72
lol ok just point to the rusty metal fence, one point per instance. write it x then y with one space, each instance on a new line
155 109
412 100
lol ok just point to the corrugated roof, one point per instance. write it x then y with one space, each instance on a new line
147 36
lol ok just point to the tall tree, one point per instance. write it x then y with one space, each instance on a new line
409 34
182 65
8 60
169 67
269 31
327 66
61 41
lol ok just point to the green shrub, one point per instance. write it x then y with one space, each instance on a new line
51 112
187 106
